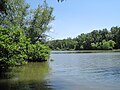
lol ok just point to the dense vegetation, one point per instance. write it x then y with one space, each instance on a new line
95 40
22 32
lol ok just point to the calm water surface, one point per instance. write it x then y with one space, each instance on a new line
68 71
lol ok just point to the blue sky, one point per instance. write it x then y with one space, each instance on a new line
73 17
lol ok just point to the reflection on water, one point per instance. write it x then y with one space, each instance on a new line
28 77
68 71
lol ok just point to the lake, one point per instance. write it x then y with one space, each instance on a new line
67 71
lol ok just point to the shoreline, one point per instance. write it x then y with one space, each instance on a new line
83 51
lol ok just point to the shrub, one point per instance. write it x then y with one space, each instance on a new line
12 47
15 49
38 52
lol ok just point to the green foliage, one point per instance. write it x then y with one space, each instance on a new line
16 49
22 32
65 44
94 46
39 23
107 45
95 40
35 22
12 47
13 13
38 52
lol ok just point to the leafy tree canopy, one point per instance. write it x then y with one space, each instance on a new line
97 39
22 32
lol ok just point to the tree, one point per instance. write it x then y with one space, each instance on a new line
118 38
93 46
115 35
107 45
13 14
39 24
3 4
97 39
21 37
112 44
95 36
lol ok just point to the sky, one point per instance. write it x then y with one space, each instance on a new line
73 17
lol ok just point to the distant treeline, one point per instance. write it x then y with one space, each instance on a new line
96 40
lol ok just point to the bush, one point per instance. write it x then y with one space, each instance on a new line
12 47
15 48
38 52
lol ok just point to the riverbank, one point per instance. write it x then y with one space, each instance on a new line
83 51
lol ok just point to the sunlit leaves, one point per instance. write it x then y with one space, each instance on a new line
39 23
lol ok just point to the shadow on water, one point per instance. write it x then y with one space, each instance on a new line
29 77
